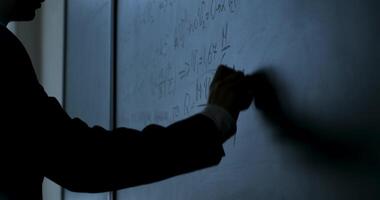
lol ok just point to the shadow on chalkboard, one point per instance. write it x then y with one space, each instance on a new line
304 134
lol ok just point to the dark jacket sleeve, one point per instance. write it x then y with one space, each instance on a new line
91 159
95 160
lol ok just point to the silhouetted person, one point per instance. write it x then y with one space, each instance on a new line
38 139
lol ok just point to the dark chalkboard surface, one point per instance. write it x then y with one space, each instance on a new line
322 56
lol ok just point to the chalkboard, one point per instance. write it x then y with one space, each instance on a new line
88 68
323 58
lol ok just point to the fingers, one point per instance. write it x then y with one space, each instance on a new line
231 89
233 78
222 72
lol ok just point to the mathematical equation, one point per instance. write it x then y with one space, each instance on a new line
200 62
206 13
177 79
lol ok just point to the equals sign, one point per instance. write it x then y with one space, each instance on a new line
182 74
225 48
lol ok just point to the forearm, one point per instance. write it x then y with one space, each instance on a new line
108 160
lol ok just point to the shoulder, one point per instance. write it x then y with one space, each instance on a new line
13 55
10 44
7 36
15 61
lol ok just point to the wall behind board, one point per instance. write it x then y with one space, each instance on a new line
322 57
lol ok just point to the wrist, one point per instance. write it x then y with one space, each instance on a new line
225 122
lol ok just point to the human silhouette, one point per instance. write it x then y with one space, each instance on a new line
38 139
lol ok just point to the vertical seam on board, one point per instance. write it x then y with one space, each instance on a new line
112 67
64 73
113 71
